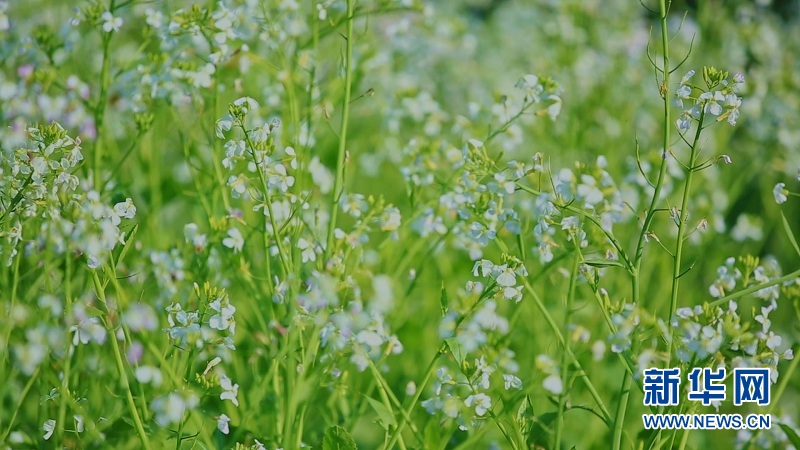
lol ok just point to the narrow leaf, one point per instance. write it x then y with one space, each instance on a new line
602 263
791 434
790 234
385 417
456 350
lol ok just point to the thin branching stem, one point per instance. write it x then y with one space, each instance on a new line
340 156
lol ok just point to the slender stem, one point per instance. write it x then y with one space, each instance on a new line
403 419
100 108
648 220
627 379
123 375
562 398
22 396
66 395
268 200
340 157
573 359
756 288
682 219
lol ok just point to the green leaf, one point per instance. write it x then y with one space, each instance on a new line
385 417
443 300
790 234
337 438
791 434
456 350
92 311
128 243
542 430
524 417
602 263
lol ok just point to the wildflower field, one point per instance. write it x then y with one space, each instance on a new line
399 224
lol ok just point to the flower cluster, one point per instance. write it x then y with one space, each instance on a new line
41 183
717 99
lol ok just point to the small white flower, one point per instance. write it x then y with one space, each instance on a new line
712 102
49 428
684 122
235 240
779 192
511 381
506 277
223 125
125 209
110 23
553 384
222 424
481 401
247 104
148 374
229 390
79 423
307 250
223 319
688 75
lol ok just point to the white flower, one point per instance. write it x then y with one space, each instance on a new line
247 103
222 424
688 75
154 18
712 102
229 390
125 209
481 401
732 104
779 192
235 240
506 277
390 219
511 381
684 122
307 250
148 374
221 320
553 384
110 23
172 407
321 175
49 427
79 424
223 125
353 204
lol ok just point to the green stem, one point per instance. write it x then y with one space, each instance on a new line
625 389
100 108
66 395
648 220
123 376
403 419
562 398
755 288
572 358
21 400
340 157
268 200
682 219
